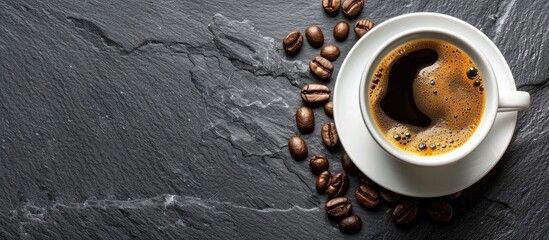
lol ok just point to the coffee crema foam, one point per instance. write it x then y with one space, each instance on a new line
442 91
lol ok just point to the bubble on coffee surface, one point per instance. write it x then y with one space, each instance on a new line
442 90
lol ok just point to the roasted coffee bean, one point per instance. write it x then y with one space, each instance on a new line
321 67
298 148
351 8
319 164
441 211
322 181
338 207
330 52
292 42
404 213
367 196
350 224
329 109
338 185
363 26
348 166
389 196
331 6
305 119
329 135
341 30
315 93
366 180
314 35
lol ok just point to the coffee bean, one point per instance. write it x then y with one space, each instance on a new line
330 52
314 35
322 181
292 42
319 164
441 211
351 8
321 67
350 224
363 26
329 135
331 6
315 93
341 30
367 196
305 119
348 166
338 185
364 180
298 148
329 109
404 213
389 196
338 207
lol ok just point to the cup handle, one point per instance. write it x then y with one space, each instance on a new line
513 101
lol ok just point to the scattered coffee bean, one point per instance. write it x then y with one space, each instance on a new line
292 42
338 207
351 8
472 72
319 164
330 52
389 196
314 35
331 6
367 196
338 185
298 148
441 211
348 166
305 119
363 26
404 213
329 135
315 93
364 180
322 181
321 67
329 109
341 30
350 224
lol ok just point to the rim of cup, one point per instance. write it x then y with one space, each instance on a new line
490 91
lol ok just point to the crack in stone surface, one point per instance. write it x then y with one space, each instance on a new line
501 203
29 212
94 34
249 50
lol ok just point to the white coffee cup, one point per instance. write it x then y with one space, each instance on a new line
495 101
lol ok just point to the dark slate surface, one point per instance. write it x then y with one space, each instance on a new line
170 119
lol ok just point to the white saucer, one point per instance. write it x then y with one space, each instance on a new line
391 173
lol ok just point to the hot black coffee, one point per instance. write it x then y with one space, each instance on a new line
426 97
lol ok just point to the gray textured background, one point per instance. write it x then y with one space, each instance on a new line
170 119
